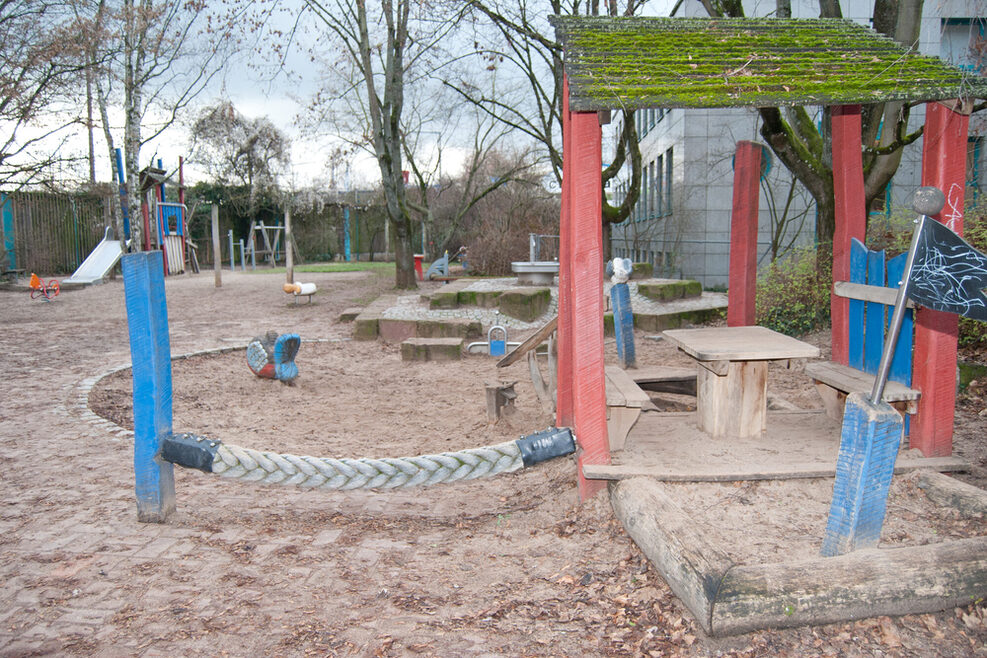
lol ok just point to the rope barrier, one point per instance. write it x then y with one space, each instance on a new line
213 456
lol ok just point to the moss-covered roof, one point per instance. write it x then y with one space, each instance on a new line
706 62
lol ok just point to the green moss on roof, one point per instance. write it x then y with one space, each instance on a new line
705 62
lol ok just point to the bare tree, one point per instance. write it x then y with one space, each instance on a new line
385 50
525 44
39 64
488 167
237 150
151 59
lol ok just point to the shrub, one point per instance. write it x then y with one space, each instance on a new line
894 233
793 292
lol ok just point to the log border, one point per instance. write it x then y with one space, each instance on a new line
728 598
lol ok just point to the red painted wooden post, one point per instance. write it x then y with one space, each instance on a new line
563 379
944 147
581 299
741 310
851 214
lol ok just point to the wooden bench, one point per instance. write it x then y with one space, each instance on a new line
12 275
871 304
625 401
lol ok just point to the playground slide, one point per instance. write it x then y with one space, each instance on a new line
99 263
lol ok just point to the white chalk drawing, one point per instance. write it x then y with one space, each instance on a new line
948 274
954 217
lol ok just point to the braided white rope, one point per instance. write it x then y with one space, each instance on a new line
325 473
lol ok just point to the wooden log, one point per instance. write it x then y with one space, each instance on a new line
691 566
866 583
950 492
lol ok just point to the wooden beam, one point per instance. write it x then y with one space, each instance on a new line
944 147
864 292
741 306
785 472
589 405
851 213
529 343
563 397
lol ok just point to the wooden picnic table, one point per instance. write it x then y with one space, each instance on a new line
732 382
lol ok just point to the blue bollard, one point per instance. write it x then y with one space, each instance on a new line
150 355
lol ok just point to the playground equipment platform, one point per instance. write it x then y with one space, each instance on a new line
670 447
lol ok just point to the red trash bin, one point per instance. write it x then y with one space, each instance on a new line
418 266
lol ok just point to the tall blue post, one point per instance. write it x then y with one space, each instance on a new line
150 355
623 324
346 232
123 195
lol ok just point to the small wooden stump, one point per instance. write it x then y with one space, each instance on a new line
500 400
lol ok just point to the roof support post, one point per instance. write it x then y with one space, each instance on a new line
943 165
563 396
743 235
851 214
581 290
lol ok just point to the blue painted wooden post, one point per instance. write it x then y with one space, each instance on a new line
901 364
150 354
869 444
855 311
874 311
623 324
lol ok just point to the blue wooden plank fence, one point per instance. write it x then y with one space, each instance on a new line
869 320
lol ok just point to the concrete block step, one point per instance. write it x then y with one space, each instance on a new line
432 349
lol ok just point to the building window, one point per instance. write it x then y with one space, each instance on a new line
656 176
974 155
962 43
668 181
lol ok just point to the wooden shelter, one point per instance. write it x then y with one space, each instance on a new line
631 63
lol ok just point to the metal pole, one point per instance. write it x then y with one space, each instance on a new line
232 252
896 318
217 263
289 256
243 257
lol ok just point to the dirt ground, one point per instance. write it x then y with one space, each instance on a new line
509 566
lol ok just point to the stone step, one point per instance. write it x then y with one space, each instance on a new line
680 313
396 330
666 290
350 314
526 304
432 349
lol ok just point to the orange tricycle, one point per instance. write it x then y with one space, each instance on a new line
41 289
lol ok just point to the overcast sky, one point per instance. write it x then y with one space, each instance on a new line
257 88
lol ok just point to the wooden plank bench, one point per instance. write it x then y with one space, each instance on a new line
625 401
871 304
